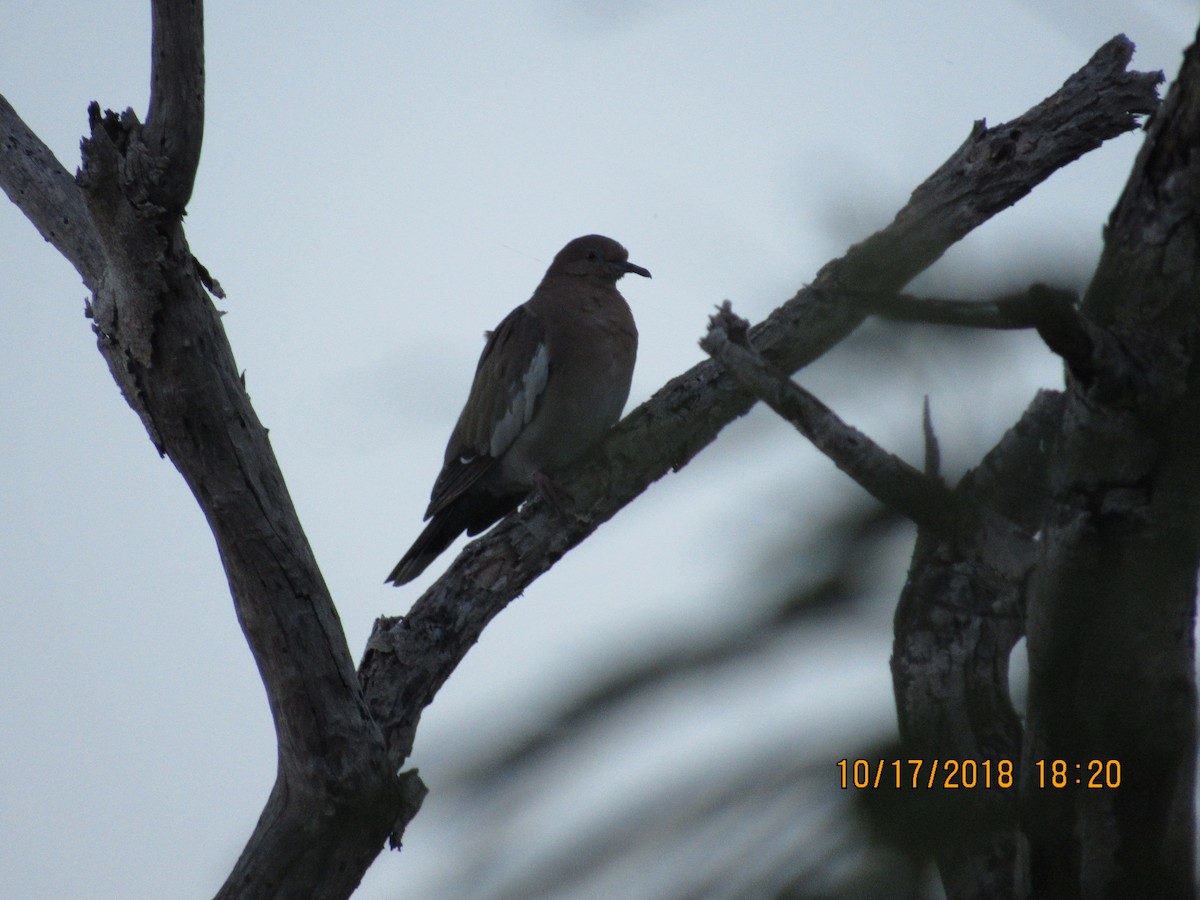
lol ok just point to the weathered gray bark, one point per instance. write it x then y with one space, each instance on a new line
1112 605
337 796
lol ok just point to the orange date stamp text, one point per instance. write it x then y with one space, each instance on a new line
974 774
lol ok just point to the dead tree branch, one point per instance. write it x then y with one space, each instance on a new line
1028 309
174 128
1089 352
38 184
889 479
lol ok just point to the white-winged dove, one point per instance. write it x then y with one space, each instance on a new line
552 379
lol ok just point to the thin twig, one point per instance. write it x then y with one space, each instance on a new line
1026 309
933 453
1053 312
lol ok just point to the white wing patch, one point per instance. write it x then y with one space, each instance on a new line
522 402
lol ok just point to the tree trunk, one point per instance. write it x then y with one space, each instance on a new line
1111 610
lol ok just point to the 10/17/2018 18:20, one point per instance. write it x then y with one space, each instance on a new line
969 774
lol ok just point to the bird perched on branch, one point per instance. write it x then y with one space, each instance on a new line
552 379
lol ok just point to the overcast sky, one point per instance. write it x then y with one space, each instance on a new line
380 183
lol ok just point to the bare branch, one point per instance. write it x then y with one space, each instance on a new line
886 477
933 453
1027 309
48 195
996 167
175 121
1088 351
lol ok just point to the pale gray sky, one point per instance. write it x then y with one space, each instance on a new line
380 183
